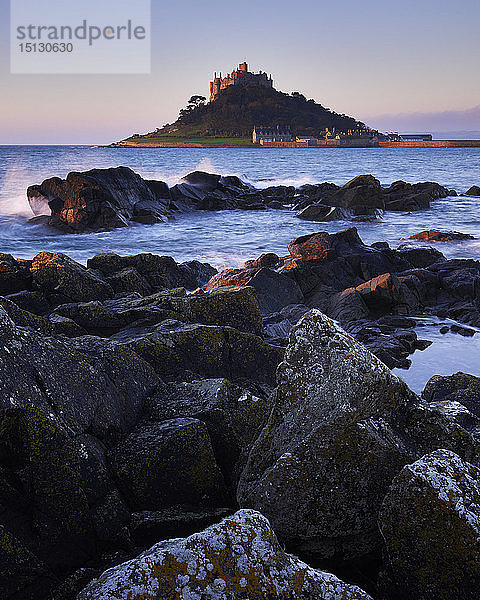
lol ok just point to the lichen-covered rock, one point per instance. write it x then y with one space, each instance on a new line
238 558
459 388
63 280
161 464
430 522
331 408
14 275
174 348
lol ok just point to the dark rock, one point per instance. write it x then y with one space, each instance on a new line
473 191
465 331
162 464
337 404
32 302
92 317
233 416
238 557
160 272
127 281
99 199
441 236
460 388
61 280
270 259
430 524
421 257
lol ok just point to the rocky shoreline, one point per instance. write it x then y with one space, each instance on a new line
144 401
105 199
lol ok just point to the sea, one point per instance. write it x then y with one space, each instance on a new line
228 238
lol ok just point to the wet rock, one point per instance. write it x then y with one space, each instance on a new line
465 331
363 193
441 236
402 196
269 259
430 524
61 280
99 199
473 191
239 556
163 464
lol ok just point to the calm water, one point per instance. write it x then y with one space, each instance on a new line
228 238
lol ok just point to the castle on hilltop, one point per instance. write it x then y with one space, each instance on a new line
240 76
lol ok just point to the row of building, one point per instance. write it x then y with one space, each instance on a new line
282 136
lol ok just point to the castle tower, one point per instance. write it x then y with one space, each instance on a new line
243 67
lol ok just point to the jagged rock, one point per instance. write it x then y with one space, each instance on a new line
441 236
269 259
401 196
162 464
100 199
473 191
63 280
239 557
363 193
336 404
430 522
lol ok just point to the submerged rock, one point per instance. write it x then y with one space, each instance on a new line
238 558
430 523
441 236
473 191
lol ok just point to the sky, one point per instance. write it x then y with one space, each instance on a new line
409 65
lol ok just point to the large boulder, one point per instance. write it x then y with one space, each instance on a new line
238 558
323 212
100 199
331 407
430 523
